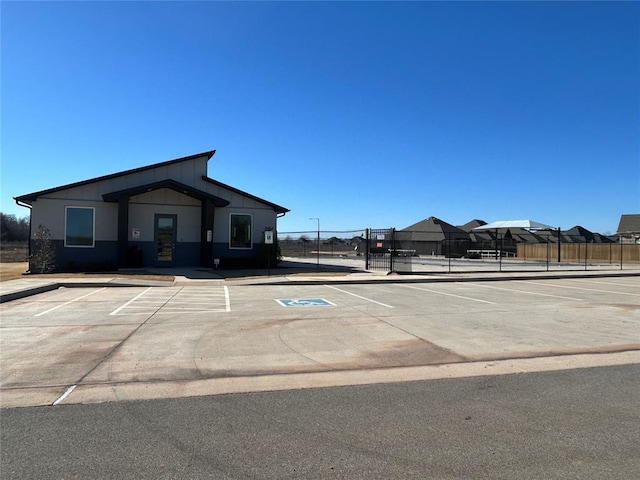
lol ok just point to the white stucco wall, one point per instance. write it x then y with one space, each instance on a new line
262 218
49 209
51 214
142 219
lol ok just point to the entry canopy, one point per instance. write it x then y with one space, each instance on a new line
506 224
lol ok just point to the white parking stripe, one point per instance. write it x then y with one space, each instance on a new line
613 284
70 301
65 394
581 288
177 302
180 311
115 312
523 292
449 294
358 296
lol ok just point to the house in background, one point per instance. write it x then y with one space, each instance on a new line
433 236
162 215
579 234
629 228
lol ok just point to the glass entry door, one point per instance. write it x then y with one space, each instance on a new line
165 237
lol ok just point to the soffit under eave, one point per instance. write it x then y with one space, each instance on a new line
171 184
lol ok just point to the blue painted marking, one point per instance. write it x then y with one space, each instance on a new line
304 302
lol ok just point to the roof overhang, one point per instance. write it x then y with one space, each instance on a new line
507 224
168 183
29 198
277 208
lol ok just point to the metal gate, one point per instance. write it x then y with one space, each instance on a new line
380 248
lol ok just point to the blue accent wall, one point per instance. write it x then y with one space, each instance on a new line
102 256
233 257
186 254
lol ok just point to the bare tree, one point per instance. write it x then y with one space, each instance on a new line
43 258
13 229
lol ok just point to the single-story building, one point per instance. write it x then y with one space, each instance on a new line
166 214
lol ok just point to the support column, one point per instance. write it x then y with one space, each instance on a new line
206 242
123 233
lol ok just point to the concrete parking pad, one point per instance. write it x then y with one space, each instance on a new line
197 339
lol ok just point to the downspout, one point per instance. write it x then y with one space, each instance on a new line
30 233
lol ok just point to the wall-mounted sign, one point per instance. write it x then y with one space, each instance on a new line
268 237
135 234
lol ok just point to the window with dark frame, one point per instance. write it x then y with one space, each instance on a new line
79 230
240 230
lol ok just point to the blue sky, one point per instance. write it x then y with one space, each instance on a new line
364 114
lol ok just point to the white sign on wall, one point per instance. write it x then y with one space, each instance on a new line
135 234
268 237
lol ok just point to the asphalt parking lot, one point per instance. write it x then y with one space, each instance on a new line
96 344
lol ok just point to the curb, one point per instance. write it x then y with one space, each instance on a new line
28 292
284 280
434 279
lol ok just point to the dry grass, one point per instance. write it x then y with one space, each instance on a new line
11 271
14 252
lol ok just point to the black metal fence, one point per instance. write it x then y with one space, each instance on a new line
431 253
326 243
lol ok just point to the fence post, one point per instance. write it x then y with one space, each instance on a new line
366 249
586 245
447 241
620 252
393 249
500 252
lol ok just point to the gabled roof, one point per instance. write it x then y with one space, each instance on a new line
433 224
433 229
168 183
629 223
276 208
30 197
580 231
579 234
467 227
599 238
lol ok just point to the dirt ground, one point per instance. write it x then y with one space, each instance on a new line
13 271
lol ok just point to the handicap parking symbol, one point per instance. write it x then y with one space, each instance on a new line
304 302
